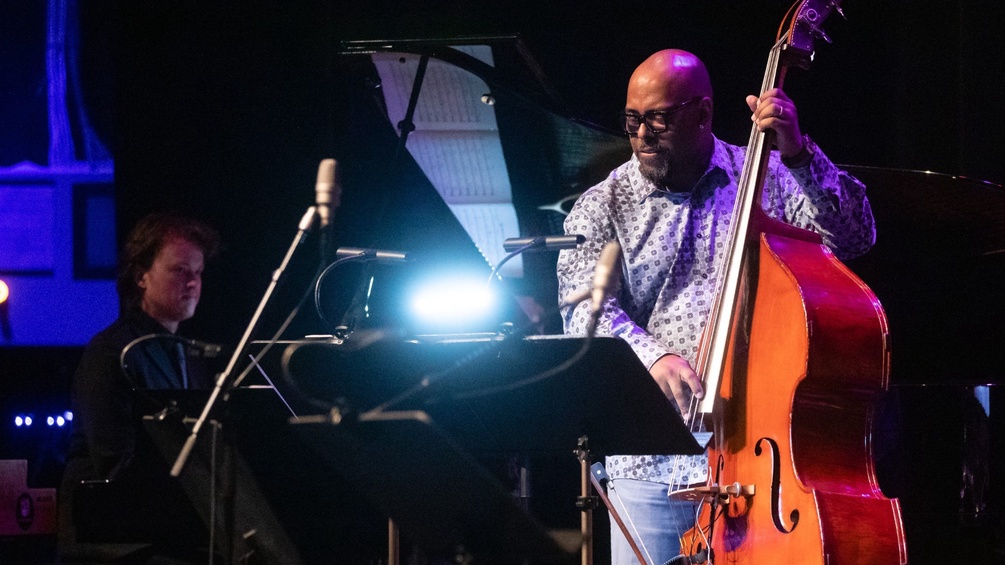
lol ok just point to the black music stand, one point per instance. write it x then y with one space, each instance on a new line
274 501
435 492
479 392
245 524
412 456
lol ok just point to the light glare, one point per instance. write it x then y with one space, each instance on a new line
453 301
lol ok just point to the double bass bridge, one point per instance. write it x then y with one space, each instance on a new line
720 493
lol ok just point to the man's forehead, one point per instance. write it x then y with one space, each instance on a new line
176 247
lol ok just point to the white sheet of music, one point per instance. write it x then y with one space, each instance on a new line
456 144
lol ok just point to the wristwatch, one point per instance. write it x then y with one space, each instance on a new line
805 155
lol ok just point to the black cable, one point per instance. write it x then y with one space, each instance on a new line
320 277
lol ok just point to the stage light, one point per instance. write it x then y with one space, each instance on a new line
453 303
4 291
25 420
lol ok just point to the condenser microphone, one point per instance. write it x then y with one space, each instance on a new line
327 191
547 242
198 348
372 254
603 273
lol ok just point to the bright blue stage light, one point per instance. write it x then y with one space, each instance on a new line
27 420
68 415
453 303
60 421
50 421
18 421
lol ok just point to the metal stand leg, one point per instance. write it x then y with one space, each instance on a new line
587 502
393 543
519 473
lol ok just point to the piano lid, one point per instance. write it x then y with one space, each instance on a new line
940 210
936 266
548 155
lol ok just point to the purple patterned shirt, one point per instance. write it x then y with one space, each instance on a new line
672 245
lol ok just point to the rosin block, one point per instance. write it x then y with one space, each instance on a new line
23 510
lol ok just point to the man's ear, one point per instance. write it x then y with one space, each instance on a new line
705 113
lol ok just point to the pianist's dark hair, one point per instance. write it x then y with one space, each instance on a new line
146 240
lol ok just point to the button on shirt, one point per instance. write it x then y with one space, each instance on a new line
672 249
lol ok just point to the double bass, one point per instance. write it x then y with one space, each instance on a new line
794 359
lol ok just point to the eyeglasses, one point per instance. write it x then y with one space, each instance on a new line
658 121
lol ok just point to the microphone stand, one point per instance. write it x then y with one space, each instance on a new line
222 379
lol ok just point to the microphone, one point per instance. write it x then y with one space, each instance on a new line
547 242
327 191
198 348
602 273
192 347
372 254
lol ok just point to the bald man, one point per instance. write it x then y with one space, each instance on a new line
669 208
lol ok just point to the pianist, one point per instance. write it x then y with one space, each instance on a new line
159 285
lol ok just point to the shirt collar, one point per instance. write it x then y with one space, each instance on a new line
145 322
644 188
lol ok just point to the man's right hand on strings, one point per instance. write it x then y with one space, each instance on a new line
678 381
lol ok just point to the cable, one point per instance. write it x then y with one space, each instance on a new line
320 277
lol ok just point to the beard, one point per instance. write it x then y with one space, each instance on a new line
658 173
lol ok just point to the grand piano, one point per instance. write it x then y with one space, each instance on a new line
935 267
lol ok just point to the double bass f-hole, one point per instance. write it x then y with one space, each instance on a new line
776 487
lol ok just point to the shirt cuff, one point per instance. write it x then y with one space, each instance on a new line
804 157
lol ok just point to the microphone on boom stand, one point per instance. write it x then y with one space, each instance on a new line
327 198
327 194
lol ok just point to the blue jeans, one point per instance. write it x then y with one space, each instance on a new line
654 521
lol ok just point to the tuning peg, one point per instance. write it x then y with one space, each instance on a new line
837 8
820 33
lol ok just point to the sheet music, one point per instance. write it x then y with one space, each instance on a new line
464 168
493 222
456 144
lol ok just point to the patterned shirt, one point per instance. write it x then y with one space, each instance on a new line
672 246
